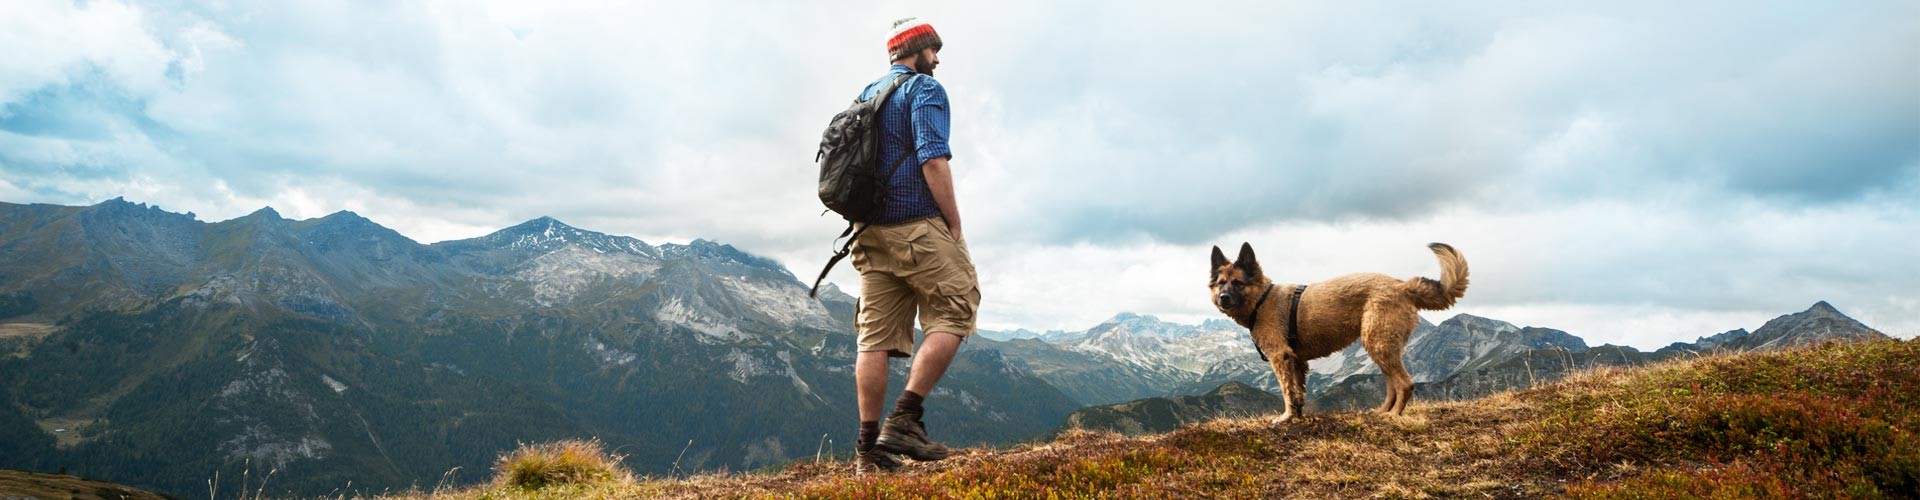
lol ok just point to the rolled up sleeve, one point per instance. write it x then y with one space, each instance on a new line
930 121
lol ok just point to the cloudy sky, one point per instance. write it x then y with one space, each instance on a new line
1632 172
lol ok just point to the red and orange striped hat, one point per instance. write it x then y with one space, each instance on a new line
909 36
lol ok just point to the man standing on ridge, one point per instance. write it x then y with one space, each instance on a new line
913 259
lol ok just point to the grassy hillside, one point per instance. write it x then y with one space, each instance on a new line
17 484
1835 420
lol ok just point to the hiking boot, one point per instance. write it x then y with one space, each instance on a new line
904 434
875 461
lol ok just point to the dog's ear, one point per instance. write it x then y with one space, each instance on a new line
1219 259
1246 261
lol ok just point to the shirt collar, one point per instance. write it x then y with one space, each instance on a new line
901 68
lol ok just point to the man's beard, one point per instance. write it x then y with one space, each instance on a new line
923 67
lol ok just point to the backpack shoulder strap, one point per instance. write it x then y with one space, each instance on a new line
854 229
852 233
881 98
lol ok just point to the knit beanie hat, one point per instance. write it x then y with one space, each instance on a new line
909 36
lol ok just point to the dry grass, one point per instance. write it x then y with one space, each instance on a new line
18 484
18 339
571 463
1829 421
26 330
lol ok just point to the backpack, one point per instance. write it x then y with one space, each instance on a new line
852 183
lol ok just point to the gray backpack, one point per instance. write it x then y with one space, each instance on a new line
852 178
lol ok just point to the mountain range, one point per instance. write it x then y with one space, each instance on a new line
152 349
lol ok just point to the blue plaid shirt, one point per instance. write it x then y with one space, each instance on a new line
916 112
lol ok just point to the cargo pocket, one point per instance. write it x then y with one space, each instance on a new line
939 267
954 307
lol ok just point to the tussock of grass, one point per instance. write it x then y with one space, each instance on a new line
1833 421
568 463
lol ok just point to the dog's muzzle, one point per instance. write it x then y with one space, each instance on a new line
1227 301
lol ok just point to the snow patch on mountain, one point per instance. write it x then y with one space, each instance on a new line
784 305
675 311
559 276
745 366
336 385
265 449
965 398
609 356
794 375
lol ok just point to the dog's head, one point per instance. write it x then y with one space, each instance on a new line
1235 283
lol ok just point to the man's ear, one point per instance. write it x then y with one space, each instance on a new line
1219 259
1246 261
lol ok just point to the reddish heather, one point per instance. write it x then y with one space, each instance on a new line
1831 421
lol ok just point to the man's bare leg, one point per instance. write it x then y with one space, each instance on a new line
904 433
930 363
870 383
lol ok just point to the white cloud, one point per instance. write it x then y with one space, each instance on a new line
50 41
1724 148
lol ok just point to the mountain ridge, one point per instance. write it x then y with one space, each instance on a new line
336 349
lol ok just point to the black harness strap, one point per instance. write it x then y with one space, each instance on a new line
1253 319
1293 318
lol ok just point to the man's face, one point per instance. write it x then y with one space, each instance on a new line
929 59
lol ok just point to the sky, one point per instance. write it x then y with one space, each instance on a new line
1635 173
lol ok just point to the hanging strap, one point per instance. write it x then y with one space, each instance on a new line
852 233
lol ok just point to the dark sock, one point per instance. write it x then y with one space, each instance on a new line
869 432
909 402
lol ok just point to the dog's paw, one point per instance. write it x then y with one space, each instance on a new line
1284 418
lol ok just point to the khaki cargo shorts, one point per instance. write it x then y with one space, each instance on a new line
909 267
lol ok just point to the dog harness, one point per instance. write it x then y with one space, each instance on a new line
1293 318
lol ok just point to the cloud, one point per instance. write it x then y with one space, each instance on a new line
1096 145
1422 110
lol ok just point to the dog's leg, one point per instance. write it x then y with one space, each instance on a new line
1297 386
1385 336
1289 370
1399 385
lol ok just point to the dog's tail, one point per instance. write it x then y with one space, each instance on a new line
1436 295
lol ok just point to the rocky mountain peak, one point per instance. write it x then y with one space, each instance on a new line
265 213
345 229
1713 341
1233 388
543 225
1822 307
345 216
546 234
1818 323
832 293
1128 323
1464 320
1218 324
1130 317
721 254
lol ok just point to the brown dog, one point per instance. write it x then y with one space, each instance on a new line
1378 310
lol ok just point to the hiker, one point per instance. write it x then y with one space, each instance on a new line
912 256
